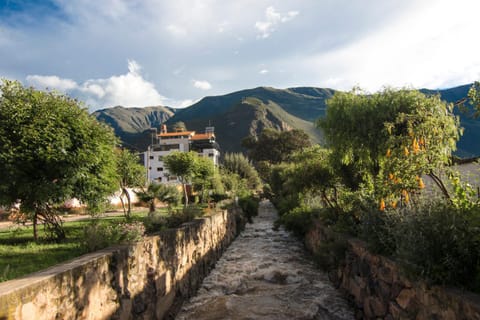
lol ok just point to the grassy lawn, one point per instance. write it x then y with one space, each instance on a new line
20 255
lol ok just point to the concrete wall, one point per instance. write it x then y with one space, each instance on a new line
146 280
379 290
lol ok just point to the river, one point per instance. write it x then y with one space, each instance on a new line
266 274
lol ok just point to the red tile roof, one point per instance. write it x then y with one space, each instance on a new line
202 136
172 134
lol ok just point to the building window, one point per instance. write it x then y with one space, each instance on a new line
210 154
159 179
160 169
149 168
171 178
151 157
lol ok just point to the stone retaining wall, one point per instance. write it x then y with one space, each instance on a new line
379 290
146 280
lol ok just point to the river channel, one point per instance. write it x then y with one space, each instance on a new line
266 274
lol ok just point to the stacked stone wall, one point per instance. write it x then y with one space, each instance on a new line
379 289
145 280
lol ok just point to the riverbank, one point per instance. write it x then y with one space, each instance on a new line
266 274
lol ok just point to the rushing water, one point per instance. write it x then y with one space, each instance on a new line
265 274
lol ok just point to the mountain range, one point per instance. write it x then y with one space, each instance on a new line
247 112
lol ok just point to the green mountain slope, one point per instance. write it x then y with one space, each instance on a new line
245 112
304 103
132 125
249 116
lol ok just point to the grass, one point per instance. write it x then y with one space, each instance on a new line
21 255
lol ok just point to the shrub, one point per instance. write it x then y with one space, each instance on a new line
184 215
297 220
97 236
130 232
439 243
331 253
100 235
154 222
249 206
376 229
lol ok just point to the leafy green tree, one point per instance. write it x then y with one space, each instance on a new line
203 176
179 126
471 103
310 171
165 193
52 150
131 174
187 166
384 142
275 146
239 164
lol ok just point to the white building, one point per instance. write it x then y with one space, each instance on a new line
202 143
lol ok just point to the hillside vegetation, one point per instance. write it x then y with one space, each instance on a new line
242 113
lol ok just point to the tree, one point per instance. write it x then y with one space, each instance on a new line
280 144
52 150
131 174
239 164
471 104
203 175
164 193
179 126
183 166
384 142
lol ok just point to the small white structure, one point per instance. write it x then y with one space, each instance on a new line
184 141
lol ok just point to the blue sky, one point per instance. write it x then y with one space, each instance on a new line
155 52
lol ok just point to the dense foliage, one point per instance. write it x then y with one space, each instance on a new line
383 143
370 183
275 146
237 163
131 174
187 166
52 150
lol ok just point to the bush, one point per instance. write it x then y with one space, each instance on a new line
154 222
182 216
376 229
130 232
249 206
97 236
100 235
439 243
297 220
331 253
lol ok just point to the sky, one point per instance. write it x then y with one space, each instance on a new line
155 52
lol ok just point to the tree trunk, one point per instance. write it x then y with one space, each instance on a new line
152 206
129 203
185 194
35 226
440 184
127 210
123 204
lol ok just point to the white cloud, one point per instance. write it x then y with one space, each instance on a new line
415 49
263 71
203 85
176 30
272 19
130 89
51 82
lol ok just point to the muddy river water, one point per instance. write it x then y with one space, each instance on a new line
266 274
